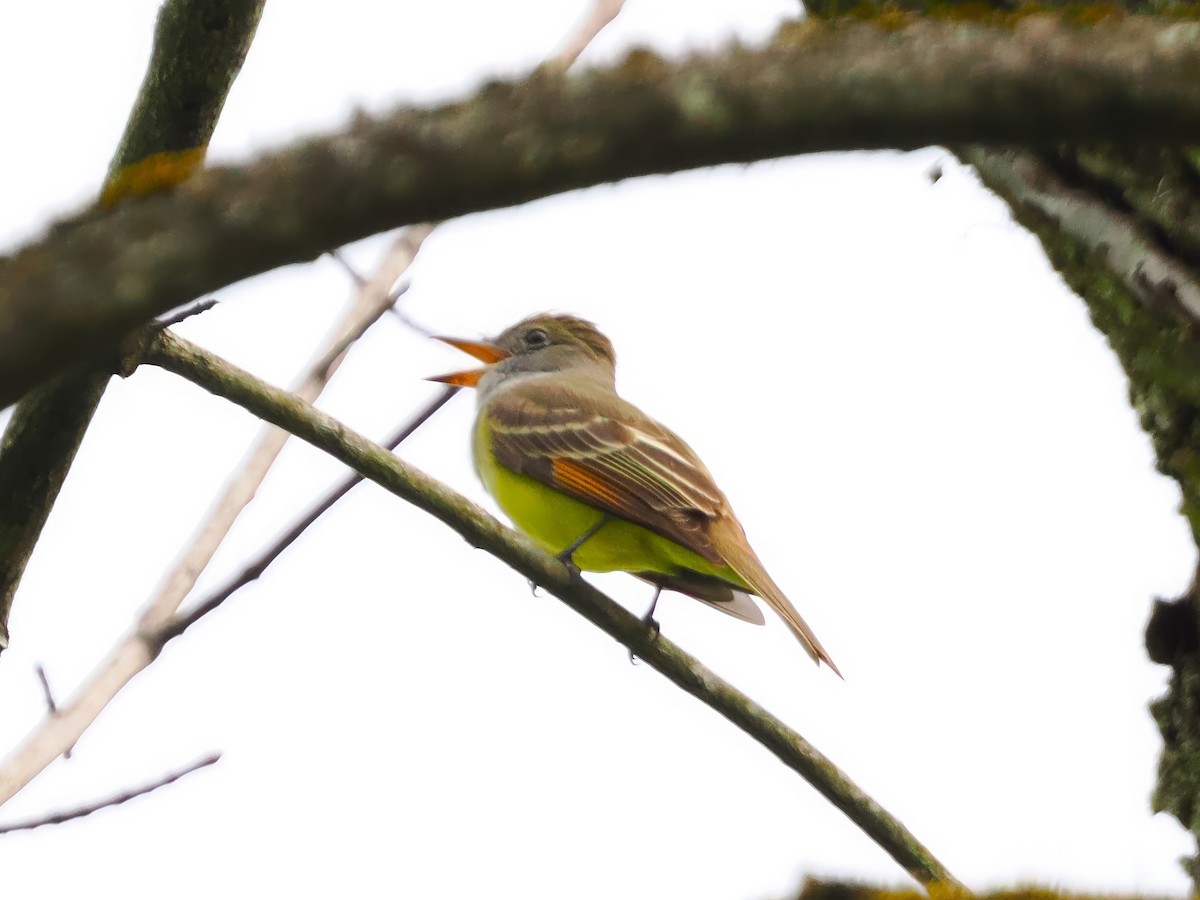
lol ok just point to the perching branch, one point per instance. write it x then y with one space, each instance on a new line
816 87
482 530
199 47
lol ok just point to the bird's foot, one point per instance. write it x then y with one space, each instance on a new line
567 558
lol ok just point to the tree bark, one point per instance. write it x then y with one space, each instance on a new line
1119 223
199 47
76 292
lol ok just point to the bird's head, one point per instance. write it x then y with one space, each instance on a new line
541 343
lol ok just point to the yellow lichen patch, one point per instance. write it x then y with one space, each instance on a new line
156 172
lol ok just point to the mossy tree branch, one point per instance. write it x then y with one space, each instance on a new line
199 47
1120 223
1152 332
482 530
815 889
814 88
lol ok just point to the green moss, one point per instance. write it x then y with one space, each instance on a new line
644 65
1161 357
897 13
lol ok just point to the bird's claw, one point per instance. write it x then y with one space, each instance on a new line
655 631
567 558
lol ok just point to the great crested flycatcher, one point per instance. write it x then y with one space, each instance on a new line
595 480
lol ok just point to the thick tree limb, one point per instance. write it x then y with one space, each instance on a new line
1134 255
1158 184
199 47
1141 298
815 889
817 87
482 530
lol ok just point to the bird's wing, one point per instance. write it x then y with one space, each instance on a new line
588 443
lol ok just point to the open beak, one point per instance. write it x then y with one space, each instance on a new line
482 351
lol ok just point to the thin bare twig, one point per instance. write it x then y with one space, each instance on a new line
254 570
372 299
604 12
51 706
394 310
140 648
340 258
186 313
116 800
410 323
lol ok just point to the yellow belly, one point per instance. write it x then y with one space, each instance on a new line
555 521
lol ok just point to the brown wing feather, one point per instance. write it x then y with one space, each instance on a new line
594 446
582 482
604 452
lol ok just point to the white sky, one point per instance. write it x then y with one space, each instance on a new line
929 445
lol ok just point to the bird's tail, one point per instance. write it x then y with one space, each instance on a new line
738 555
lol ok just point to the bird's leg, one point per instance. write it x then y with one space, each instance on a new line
567 557
649 619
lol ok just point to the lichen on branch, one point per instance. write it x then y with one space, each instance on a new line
816 87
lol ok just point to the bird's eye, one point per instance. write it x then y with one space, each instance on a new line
536 337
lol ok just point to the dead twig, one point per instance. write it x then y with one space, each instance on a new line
372 300
51 706
141 646
186 313
116 800
255 569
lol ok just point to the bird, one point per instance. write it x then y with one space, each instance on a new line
597 482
